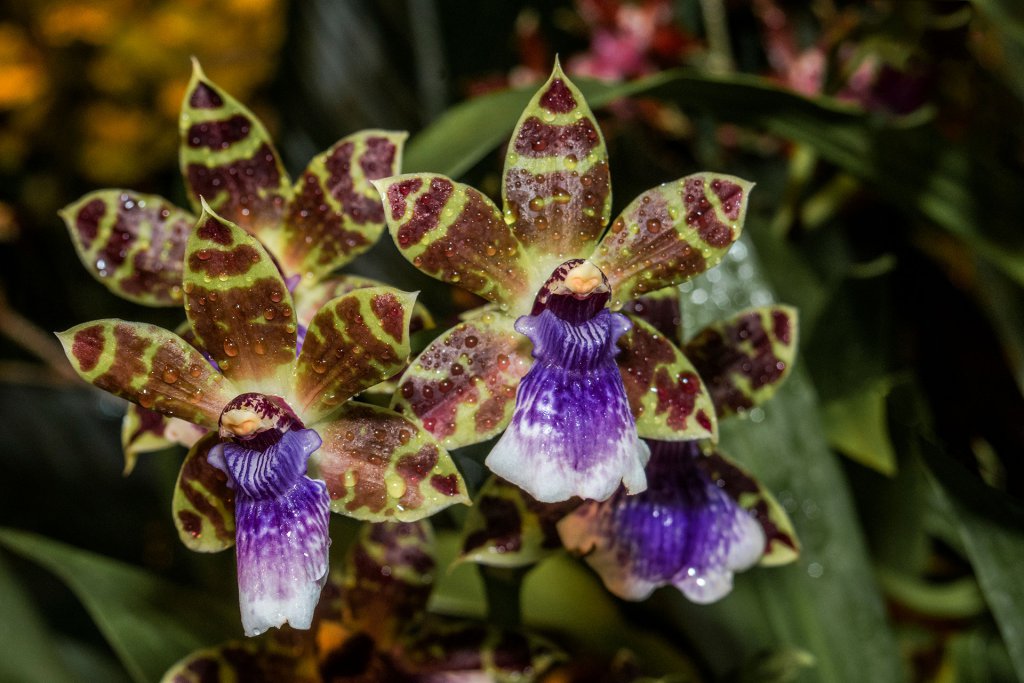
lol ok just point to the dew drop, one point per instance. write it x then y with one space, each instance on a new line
170 375
230 347
537 203
503 361
320 366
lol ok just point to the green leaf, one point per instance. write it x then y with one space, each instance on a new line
27 650
857 425
991 527
149 621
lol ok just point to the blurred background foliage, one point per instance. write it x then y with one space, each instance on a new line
886 141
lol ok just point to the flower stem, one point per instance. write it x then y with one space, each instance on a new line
503 587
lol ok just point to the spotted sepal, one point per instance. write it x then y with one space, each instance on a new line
454 233
556 187
354 342
309 300
462 387
336 214
203 504
744 359
671 233
380 466
448 650
228 160
506 527
239 306
132 243
149 366
668 399
274 656
781 544
389 572
146 431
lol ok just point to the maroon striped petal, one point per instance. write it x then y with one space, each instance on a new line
337 213
666 395
456 234
662 310
671 233
147 431
149 366
556 186
203 504
228 159
462 387
380 466
746 358
238 306
310 299
132 243
354 342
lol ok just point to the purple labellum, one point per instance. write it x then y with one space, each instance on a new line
683 530
572 433
281 519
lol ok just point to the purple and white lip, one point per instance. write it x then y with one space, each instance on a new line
572 432
683 531
281 515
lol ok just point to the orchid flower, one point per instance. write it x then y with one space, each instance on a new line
549 273
372 626
271 406
702 517
135 243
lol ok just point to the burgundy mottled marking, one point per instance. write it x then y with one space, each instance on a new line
736 482
676 397
153 271
197 470
781 327
87 347
246 183
218 135
719 356
731 196
122 236
390 313
358 207
149 421
378 161
205 97
447 485
640 354
558 98
703 420
213 230
503 527
129 351
537 139
701 215
398 193
426 214
414 469
661 312
237 261
190 522
87 222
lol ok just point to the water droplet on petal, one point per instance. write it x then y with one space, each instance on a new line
230 347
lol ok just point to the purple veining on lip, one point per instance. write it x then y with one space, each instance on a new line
572 433
281 519
683 530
